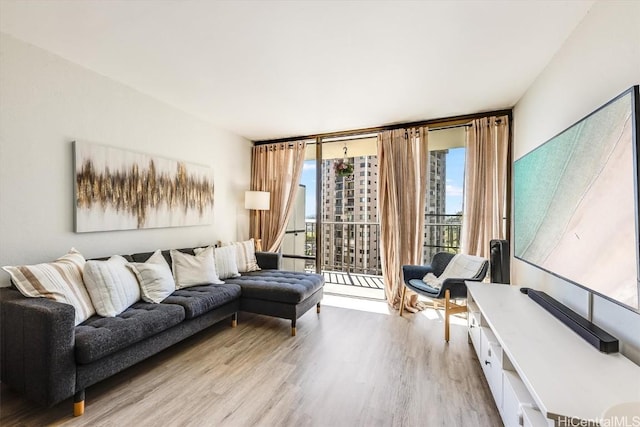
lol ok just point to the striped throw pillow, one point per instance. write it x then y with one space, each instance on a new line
111 285
246 256
227 262
60 281
225 259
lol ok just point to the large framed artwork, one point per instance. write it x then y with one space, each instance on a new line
117 189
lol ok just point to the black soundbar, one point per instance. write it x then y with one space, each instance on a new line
595 336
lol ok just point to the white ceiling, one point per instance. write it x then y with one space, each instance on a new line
268 69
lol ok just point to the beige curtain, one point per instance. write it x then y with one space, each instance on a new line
485 184
403 162
275 168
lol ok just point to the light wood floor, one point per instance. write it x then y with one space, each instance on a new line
344 368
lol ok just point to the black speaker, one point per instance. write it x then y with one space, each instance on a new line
595 336
499 261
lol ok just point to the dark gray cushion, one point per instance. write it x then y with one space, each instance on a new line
277 285
129 258
197 300
144 256
100 336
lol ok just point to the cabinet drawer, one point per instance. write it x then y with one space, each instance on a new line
472 307
491 360
474 332
533 418
515 397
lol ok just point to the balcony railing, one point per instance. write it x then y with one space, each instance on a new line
442 234
350 247
354 247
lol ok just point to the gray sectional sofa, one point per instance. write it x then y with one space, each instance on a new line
48 359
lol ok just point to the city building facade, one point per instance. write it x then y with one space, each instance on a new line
350 223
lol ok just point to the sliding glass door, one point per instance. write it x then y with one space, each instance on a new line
349 204
299 243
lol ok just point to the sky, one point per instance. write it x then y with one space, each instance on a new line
454 183
309 180
455 180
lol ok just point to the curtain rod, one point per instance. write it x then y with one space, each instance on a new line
464 125
506 112
373 135
350 137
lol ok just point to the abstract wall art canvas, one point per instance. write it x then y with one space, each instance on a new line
117 189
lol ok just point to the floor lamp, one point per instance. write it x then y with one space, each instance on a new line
257 201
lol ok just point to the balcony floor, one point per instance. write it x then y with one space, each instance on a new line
352 284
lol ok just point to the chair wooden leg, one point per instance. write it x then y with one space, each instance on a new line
404 291
450 308
318 308
293 327
447 295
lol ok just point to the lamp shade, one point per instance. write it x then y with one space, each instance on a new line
257 200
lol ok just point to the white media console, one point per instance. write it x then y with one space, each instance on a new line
539 371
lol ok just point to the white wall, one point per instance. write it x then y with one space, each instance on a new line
45 103
598 61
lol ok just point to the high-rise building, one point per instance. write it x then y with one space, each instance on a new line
435 207
351 230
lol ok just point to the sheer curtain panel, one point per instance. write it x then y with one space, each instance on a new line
403 161
485 184
275 168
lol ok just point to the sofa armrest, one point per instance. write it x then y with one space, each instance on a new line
37 345
269 260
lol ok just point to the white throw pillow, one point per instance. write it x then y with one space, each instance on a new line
60 281
194 270
432 281
112 286
155 278
246 256
226 261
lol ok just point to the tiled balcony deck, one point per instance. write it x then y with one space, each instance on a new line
358 285
353 279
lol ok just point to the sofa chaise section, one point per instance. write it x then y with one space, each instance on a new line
277 293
